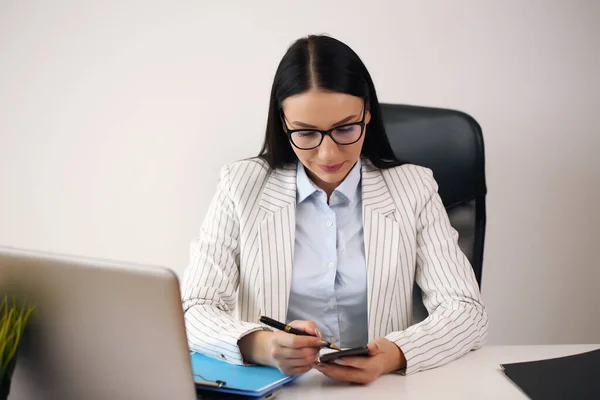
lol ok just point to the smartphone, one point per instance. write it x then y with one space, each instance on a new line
334 355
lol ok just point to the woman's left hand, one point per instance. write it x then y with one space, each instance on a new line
384 357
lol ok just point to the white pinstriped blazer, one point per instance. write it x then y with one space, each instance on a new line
241 264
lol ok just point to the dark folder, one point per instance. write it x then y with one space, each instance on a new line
571 377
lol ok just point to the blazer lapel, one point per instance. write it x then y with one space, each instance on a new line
381 236
276 240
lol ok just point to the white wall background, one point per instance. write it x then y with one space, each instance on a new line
115 118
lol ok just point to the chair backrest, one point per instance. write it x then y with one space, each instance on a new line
450 143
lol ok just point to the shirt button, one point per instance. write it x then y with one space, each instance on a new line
329 224
331 265
332 339
330 304
335 198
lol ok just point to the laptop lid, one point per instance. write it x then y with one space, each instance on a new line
101 330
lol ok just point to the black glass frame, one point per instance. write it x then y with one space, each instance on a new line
327 132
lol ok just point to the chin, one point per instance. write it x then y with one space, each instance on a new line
333 177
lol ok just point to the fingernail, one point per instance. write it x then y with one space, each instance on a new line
323 343
339 361
319 366
319 333
376 351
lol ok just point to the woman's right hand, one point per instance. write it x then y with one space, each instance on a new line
291 354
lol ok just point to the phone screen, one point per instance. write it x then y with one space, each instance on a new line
357 351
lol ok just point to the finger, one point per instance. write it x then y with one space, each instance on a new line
309 327
296 370
374 348
345 374
297 341
281 352
356 362
297 362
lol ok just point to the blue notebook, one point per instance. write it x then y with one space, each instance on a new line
252 380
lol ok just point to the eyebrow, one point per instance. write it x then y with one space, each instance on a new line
305 125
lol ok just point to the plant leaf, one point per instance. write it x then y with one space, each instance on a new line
13 320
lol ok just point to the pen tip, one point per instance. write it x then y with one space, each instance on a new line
333 346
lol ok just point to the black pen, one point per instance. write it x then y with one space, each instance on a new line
283 327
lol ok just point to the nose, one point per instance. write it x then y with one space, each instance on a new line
328 150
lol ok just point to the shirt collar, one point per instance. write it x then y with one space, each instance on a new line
304 186
348 188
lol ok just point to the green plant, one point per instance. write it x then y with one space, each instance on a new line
13 319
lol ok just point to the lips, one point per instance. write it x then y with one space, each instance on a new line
332 167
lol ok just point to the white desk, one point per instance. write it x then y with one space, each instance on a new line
475 376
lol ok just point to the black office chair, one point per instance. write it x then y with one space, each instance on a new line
451 144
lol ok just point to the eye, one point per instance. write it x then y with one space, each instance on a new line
349 129
305 134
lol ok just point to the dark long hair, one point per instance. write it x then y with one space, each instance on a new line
328 64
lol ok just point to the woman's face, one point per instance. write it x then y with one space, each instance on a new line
328 164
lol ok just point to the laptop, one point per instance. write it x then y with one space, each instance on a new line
102 329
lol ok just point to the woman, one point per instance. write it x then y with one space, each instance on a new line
327 231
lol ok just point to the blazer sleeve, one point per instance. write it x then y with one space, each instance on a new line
211 280
457 321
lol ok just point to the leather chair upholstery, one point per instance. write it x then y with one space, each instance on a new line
450 143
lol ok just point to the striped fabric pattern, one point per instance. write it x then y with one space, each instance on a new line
241 264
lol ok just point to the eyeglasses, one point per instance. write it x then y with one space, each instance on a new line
308 139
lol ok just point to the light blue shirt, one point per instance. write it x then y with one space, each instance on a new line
329 276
